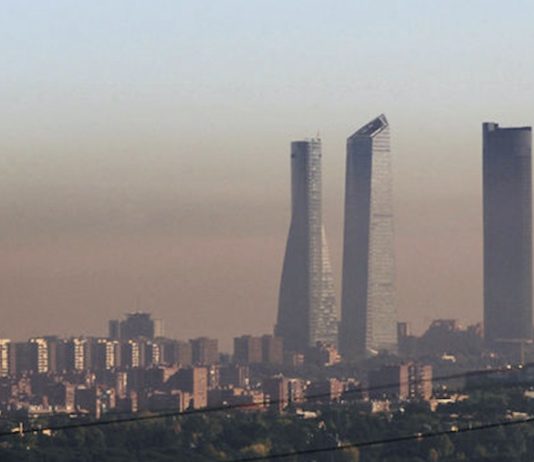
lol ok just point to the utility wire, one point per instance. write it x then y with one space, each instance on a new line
270 403
385 441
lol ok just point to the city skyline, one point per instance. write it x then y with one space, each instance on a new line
327 280
172 288
144 150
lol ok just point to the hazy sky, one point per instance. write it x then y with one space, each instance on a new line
145 150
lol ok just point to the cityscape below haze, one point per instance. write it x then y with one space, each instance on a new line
245 231
136 367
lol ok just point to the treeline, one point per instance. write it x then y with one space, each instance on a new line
234 435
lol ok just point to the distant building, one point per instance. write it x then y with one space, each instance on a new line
403 330
368 313
325 390
61 395
214 375
235 375
87 399
205 351
183 353
403 382
78 354
5 346
295 390
406 341
121 384
160 401
272 349
307 305
136 325
322 355
235 396
248 350
107 354
156 377
193 380
21 357
134 353
266 349
169 352
154 354
507 182
39 355
447 336
293 359
114 329
277 390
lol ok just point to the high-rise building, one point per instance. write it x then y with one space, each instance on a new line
248 349
134 353
272 349
277 389
39 355
507 233
78 354
368 312
114 327
306 309
204 351
193 380
136 325
106 354
20 358
183 353
401 381
5 345
235 375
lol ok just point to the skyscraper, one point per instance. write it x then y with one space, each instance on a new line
368 312
507 233
306 309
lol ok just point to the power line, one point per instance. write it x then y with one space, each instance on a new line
245 406
385 441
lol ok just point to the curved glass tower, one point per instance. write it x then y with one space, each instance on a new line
307 306
368 312
507 177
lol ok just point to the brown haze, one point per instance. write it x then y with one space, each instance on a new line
193 228
144 151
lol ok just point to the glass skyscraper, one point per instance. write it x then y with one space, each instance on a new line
507 187
368 311
307 305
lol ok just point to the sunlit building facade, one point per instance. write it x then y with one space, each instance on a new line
307 305
368 311
5 345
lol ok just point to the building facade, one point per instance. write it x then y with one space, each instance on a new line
248 350
134 326
204 351
409 381
5 345
368 311
507 187
307 306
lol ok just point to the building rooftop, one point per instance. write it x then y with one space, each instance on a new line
491 126
372 128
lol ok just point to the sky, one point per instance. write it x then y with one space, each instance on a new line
145 150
